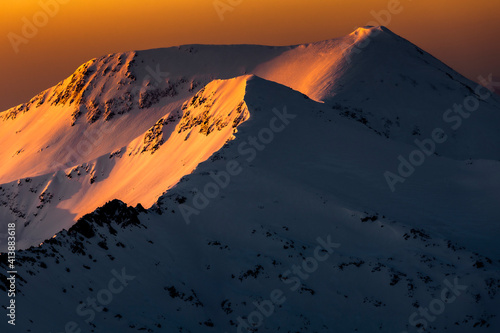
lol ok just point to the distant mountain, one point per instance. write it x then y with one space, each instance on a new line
245 188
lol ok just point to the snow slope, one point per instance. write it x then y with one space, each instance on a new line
137 173
393 253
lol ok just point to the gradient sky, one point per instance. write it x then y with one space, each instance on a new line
462 33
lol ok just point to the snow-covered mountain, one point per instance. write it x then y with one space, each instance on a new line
253 161
74 147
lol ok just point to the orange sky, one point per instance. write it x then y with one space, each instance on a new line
462 33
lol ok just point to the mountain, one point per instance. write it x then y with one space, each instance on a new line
73 148
264 174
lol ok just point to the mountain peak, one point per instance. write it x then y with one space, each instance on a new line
369 31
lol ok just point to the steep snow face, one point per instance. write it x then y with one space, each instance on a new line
73 122
306 212
104 96
312 69
403 93
396 89
136 173
175 145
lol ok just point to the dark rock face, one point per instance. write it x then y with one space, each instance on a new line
154 137
208 123
114 211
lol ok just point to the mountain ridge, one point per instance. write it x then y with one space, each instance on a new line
306 213
124 105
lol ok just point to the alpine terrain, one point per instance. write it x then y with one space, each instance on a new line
348 185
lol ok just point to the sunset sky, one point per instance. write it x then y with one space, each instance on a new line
461 33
